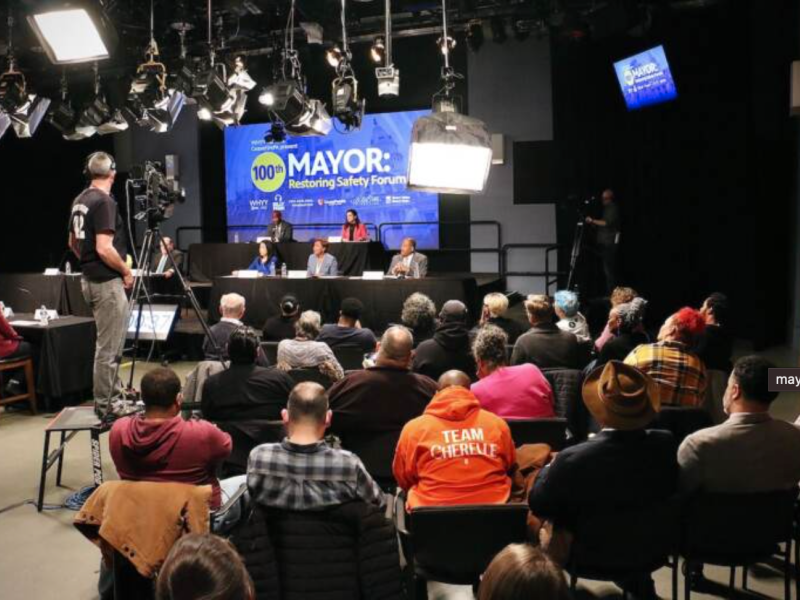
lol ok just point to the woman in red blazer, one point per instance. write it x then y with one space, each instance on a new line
354 230
11 344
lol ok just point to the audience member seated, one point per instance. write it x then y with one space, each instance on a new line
266 262
231 309
519 392
625 324
281 327
620 295
304 352
419 315
320 263
304 472
348 331
623 467
523 572
450 346
159 445
750 452
12 345
456 452
203 567
678 371
569 318
245 391
495 306
160 263
545 345
715 346
383 398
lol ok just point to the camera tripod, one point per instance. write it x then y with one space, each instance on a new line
140 297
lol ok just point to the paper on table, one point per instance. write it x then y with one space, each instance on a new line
26 323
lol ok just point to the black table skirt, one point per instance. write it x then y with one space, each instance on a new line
26 292
383 300
207 261
65 354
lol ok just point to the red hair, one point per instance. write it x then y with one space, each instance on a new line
689 323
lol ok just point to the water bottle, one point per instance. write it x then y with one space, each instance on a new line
236 238
68 268
284 272
43 316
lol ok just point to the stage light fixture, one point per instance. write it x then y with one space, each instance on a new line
475 35
388 77
446 45
5 123
450 152
334 56
98 116
346 105
73 32
63 116
298 114
378 50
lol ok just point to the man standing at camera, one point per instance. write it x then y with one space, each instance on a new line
97 237
607 236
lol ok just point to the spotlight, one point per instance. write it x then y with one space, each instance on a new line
5 123
334 56
223 100
74 32
475 35
346 105
299 115
13 90
99 116
150 102
446 44
378 50
24 110
388 81
498 27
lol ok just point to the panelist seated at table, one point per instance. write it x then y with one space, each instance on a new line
11 343
320 263
409 263
354 230
266 262
280 230
160 263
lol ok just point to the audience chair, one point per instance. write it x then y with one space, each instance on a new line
626 544
738 530
14 364
270 352
246 435
376 451
539 431
681 421
312 374
350 357
455 544
716 381
568 401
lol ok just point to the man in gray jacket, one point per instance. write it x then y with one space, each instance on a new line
409 263
750 452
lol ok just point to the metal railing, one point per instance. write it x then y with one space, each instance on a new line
550 277
370 226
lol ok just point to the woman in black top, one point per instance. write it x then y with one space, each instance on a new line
625 321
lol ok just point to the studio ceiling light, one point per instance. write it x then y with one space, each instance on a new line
388 77
450 152
378 50
5 123
334 56
348 108
73 32
64 117
99 116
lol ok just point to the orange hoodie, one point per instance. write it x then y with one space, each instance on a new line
455 453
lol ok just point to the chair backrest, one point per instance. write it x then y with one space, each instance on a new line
716 382
745 526
568 399
638 540
246 435
311 374
681 421
376 451
270 352
350 357
539 431
455 544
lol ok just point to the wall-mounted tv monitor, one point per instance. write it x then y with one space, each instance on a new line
646 79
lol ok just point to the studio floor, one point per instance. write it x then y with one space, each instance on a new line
45 558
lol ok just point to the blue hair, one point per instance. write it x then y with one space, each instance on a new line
567 302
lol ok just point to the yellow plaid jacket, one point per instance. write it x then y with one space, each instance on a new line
680 374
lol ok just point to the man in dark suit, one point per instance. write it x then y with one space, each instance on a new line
231 309
280 230
545 345
623 467
160 263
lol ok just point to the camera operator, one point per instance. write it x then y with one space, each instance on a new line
608 237
97 237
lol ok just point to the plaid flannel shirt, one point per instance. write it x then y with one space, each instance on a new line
680 374
308 477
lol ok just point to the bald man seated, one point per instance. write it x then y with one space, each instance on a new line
376 403
456 452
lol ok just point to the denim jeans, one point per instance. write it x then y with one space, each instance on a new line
109 306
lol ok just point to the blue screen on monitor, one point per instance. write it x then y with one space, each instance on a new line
315 180
646 79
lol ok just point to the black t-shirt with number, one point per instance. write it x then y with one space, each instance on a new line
94 212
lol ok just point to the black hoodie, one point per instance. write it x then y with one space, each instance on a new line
449 349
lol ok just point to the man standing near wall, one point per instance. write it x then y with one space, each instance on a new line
97 237
608 237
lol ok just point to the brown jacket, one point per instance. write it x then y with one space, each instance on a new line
142 520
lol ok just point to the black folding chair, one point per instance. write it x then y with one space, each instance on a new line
681 421
270 352
350 357
739 530
311 374
551 431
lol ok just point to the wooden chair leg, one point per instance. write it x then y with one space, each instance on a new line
31 384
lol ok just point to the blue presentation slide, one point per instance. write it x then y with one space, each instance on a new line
315 180
646 79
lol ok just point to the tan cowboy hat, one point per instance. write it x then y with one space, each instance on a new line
621 396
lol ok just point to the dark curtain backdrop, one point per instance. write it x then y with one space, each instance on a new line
704 183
